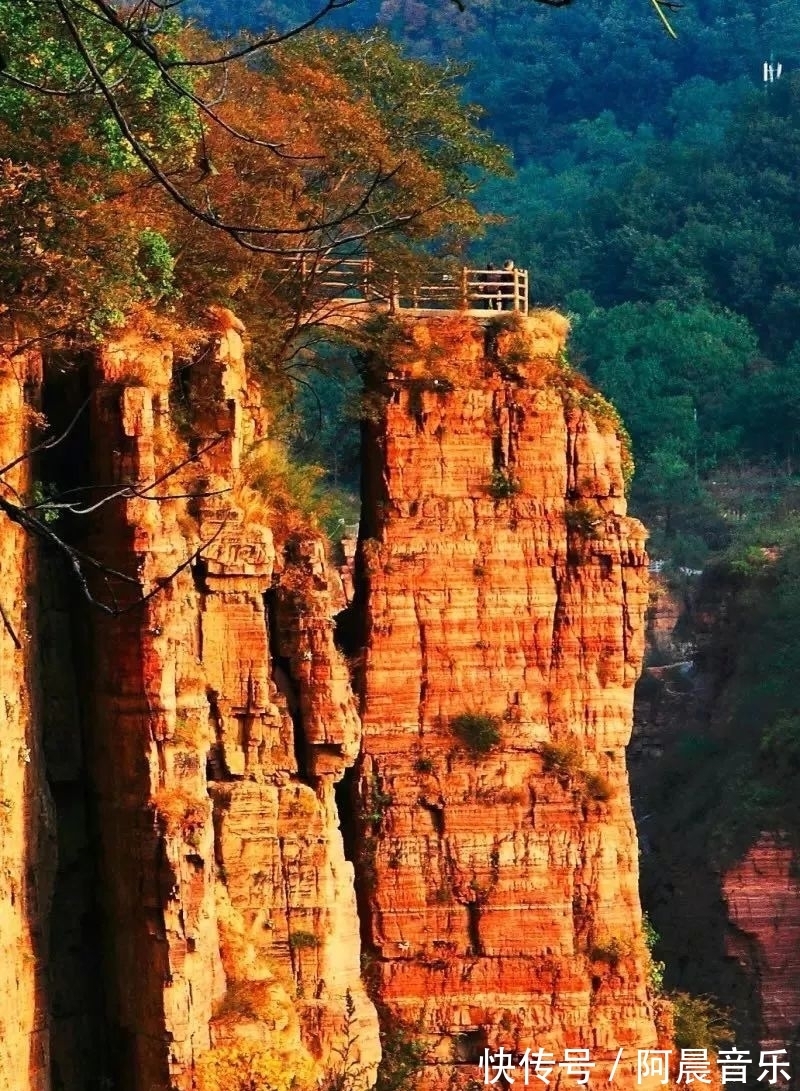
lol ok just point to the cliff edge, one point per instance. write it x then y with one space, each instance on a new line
504 590
262 841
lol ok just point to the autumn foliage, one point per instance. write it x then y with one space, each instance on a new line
248 1067
135 191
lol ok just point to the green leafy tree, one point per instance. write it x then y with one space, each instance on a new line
670 372
72 241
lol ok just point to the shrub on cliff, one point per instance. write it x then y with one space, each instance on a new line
655 967
402 1058
563 759
301 939
584 518
699 1022
295 494
598 787
479 732
609 951
248 1067
503 485
180 814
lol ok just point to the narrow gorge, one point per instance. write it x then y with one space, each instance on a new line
228 845
713 800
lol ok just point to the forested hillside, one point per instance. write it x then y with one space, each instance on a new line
655 199
171 197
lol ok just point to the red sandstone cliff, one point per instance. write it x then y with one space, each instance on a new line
27 857
502 578
228 903
762 893
195 749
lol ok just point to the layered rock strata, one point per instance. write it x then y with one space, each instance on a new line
762 893
506 587
198 739
229 905
27 850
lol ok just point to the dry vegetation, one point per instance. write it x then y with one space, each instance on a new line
247 1066
181 814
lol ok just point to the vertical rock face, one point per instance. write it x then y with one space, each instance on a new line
762 893
217 736
27 853
505 589
195 740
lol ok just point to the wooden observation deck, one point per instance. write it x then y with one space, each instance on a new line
359 284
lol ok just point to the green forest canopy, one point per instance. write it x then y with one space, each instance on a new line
653 198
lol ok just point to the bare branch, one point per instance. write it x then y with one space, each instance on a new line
47 443
263 43
9 627
78 561
128 492
144 45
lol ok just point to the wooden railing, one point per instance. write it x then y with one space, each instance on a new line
477 290
361 280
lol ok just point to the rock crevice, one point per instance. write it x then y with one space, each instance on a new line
253 810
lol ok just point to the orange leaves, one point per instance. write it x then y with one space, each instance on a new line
332 142
249 1067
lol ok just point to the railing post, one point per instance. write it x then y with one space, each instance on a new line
464 288
365 282
394 297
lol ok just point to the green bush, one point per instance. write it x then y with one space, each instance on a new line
478 731
302 939
288 486
377 803
503 485
424 765
699 1022
156 265
41 495
747 561
402 1058
688 550
584 518
655 967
